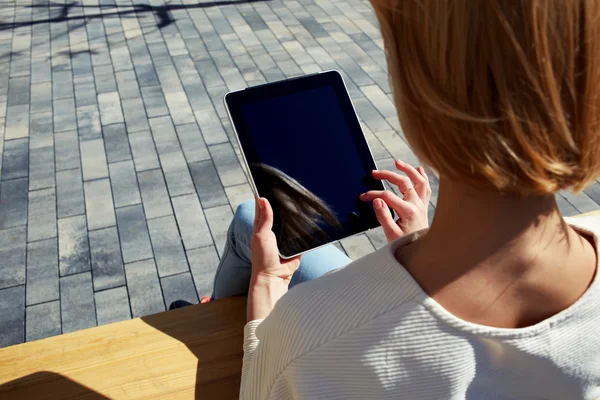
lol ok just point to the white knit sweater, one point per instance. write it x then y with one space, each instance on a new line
368 331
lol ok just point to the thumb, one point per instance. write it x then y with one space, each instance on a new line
391 230
264 216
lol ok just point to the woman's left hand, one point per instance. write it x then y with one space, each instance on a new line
271 274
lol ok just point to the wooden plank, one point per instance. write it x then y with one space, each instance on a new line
193 352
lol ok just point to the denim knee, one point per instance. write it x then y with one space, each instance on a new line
243 222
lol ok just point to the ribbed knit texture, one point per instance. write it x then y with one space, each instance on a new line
368 331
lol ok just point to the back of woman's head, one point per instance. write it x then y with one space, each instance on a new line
503 94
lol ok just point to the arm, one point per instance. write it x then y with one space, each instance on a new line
270 280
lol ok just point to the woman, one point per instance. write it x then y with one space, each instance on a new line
498 298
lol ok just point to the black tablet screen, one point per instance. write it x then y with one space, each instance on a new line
308 157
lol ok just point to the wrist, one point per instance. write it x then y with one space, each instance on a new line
263 294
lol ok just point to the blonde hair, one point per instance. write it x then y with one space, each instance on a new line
502 94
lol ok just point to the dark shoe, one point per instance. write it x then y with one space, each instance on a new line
179 304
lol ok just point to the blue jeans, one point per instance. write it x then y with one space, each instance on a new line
234 270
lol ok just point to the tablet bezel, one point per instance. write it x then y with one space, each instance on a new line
235 99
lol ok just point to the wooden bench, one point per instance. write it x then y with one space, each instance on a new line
189 353
194 352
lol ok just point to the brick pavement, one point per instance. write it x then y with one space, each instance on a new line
119 174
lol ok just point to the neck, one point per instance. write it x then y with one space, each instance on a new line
493 220
506 252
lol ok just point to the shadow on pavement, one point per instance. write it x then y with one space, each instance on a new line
162 12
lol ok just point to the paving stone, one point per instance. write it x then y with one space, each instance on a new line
582 202
64 115
192 143
42 271
227 164
164 135
166 242
99 204
127 84
12 253
105 80
110 108
43 320
208 185
41 97
378 150
41 168
154 101
179 287
176 173
66 147
40 70
238 194
212 130
93 159
120 58
12 310
593 191
13 203
17 122
18 91
154 194
380 100
144 152
82 65
85 92
41 220
62 85
117 144
191 221
397 147
146 75
107 264
357 246
88 122
112 305
144 289
41 133
219 219
203 264
135 115
73 246
124 184
77 302
566 208
16 159
135 243
69 193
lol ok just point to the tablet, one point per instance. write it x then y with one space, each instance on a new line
306 153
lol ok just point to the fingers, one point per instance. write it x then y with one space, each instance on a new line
391 230
402 207
403 182
412 173
416 178
423 173
263 220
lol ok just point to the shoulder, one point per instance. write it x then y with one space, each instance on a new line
318 311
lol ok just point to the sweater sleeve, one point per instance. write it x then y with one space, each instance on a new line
250 343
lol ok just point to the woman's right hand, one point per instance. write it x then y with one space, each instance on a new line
411 208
